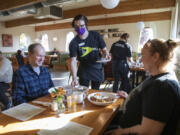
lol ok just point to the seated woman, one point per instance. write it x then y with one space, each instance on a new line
153 108
19 58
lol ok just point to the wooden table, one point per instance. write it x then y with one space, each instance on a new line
93 116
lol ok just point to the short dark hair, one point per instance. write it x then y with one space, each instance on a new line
124 36
80 17
19 52
32 47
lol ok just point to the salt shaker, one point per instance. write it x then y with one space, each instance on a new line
54 106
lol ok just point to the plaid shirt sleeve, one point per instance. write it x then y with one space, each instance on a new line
18 90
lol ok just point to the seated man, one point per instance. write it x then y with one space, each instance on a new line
6 73
55 52
32 80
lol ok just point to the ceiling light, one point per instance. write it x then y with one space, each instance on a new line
140 25
109 4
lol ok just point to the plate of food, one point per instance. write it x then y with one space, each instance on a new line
102 98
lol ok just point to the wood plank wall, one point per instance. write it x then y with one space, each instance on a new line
124 6
113 20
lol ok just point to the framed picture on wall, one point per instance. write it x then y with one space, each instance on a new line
7 40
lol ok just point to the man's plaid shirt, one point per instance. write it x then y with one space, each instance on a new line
28 85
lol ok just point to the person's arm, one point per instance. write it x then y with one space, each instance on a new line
3 68
19 93
74 71
147 127
130 59
130 53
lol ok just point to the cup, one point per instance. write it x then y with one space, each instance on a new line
69 102
79 96
74 103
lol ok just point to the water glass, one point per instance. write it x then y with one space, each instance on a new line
71 103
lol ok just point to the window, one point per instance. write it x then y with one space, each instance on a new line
23 42
145 35
45 42
69 37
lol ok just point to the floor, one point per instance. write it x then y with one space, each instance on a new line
61 78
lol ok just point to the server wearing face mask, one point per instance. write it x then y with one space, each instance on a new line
85 48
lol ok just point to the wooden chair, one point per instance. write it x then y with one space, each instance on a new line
25 60
14 63
68 65
47 61
108 76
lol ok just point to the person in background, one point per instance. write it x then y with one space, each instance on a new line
55 52
153 108
121 54
85 46
32 80
6 73
20 58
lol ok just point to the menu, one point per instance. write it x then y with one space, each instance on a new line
23 111
71 128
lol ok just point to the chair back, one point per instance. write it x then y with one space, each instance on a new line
68 62
108 70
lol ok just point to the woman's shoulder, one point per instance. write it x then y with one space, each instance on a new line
166 84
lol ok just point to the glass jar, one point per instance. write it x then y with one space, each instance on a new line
61 106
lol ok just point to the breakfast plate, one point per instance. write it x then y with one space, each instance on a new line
103 60
102 98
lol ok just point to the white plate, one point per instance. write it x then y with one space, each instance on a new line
103 61
104 94
68 88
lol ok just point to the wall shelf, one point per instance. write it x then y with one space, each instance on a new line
110 33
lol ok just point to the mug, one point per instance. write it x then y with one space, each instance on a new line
79 96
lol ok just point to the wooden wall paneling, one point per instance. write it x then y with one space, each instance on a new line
26 21
124 6
53 26
113 20
9 4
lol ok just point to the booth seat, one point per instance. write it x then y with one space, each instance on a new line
61 63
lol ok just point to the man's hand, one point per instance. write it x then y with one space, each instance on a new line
74 83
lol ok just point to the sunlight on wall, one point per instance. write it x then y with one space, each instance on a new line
145 35
23 42
69 37
45 42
